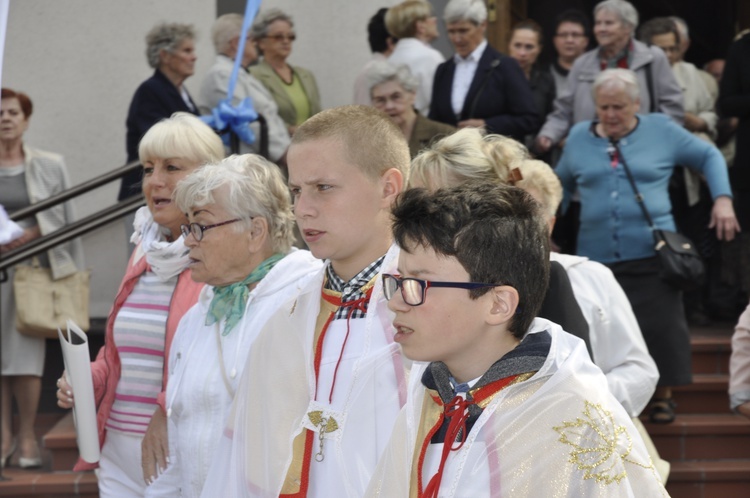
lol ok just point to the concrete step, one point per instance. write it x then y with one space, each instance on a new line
702 437
710 479
707 394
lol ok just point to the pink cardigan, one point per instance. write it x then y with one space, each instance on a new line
739 363
105 370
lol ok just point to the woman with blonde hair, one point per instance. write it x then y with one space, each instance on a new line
413 24
129 373
466 156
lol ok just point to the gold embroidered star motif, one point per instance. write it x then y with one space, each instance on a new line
600 446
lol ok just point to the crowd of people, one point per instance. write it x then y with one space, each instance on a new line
478 309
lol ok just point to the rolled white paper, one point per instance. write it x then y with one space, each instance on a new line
75 350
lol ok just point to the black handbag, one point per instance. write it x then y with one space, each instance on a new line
681 264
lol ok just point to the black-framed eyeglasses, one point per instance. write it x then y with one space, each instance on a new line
197 229
414 290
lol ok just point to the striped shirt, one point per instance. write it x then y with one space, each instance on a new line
139 333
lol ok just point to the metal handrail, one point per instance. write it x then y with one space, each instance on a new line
77 229
94 221
115 175
82 188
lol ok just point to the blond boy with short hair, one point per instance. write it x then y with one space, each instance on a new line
325 381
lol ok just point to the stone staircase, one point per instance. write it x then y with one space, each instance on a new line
707 445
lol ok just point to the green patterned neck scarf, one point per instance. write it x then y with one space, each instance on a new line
229 301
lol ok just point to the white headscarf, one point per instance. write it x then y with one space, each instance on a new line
167 259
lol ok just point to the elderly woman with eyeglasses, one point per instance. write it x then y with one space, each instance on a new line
393 91
240 239
293 88
129 372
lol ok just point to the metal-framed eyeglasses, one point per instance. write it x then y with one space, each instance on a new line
197 229
414 290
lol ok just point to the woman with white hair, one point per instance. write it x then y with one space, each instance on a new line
170 51
240 235
615 22
614 230
393 91
129 373
479 87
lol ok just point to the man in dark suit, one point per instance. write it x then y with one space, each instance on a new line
479 86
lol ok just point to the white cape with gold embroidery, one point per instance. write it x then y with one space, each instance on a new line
558 434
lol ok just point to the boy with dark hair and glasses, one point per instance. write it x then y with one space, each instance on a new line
509 405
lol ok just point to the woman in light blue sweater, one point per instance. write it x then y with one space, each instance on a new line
613 229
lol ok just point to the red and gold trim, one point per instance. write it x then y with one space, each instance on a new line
433 417
297 479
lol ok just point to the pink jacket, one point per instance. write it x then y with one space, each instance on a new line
105 370
739 364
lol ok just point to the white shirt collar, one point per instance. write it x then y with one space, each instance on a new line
474 56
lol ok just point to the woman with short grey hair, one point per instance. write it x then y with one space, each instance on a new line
617 80
264 21
168 37
294 88
240 235
599 158
393 91
170 50
623 10
383 72
250 188
614 29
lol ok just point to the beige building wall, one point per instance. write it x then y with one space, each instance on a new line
80 61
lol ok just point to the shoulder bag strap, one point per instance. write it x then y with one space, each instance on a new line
614 148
